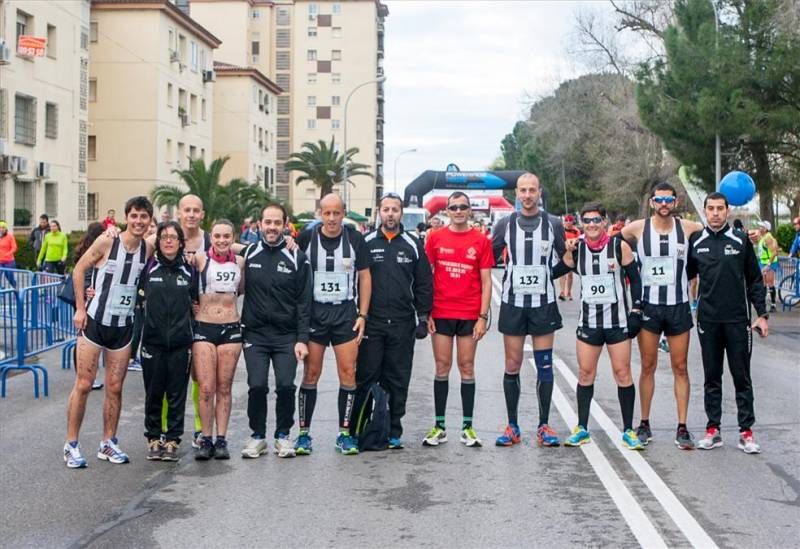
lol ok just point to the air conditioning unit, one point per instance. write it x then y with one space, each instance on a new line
43 170
209 76
22 164
173 56
5 53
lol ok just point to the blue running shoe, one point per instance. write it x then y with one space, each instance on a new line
395 443
631 440
110 451
73 457
302 446
510 436
579 436
545 436
345 445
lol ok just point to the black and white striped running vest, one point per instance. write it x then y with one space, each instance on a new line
526 280
335 273
115 284
604 301
662 261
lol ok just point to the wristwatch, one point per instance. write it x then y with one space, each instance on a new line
362 315
765 316
484 317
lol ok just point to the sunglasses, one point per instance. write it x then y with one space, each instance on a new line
663 199
588 220
458 207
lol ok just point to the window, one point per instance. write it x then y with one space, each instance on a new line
193 58
192 152
193 108
94 31
92 148
24 24
255 49
202 59
91 205
92 90
336 9
181 154
311 101
312 10
312 32
312 78
282 38
256 14
171 40
51 120
283 80
283 104
282 61
335 124
336 78
84 38
203 109
282 17
23 199
283 127
24 119
336 32
336 55
335 100
51 199
182 48
83 128
311 124
203 155
311 55
168 152
170 92
52 42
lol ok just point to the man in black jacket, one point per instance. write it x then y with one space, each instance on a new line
275 321
730 281
402 295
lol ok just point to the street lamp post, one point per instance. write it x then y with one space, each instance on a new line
346 191
717 154
394 187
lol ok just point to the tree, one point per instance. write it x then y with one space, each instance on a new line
323 165
742 83
235 200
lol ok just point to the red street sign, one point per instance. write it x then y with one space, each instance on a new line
31 46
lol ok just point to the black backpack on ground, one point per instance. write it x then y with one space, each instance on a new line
372 421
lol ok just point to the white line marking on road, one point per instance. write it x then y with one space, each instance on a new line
694 533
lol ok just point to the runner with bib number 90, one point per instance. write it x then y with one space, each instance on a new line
603 263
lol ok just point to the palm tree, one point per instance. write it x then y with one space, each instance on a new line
235 200
323 165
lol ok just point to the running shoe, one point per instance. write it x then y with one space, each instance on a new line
470 439
284 447
644 433
197 439
510 436
545 436
712 439
694 305
303 444
631 441
747 443
73 457
155 450
134 366
221 449
435 437
562 297
254 448
395 443
663 345
206 450
579 436
97 385
684 439
345 445
170 451
109 451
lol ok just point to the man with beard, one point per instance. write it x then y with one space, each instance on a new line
661 242
401 301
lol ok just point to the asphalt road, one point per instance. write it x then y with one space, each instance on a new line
597 495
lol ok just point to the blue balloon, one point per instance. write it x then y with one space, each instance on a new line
738 187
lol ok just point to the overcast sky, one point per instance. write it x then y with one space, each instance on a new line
460 74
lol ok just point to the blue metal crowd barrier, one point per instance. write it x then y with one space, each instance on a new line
788 282
32 320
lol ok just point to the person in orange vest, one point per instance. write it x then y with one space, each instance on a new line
8 249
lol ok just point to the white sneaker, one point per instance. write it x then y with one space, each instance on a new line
711 440
110 451
254 447
73 457
747 443
469 438
435 437
284 447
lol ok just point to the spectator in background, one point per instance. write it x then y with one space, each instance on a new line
794 251
151 230
251 234
166 217
571 232
109 221
37 234
8 249
52 257
245 225
616 228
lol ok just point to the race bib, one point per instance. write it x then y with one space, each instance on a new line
658 271
330 287
122 300
528 279
598 289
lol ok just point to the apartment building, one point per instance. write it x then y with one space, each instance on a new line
318 53
151 94
44 64
244 124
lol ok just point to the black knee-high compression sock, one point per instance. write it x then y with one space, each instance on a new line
585 394
627 399
306 400
467 401
440 389
511 389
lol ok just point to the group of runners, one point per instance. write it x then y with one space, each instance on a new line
370 296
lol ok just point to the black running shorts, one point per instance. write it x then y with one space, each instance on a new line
217 334
333 324
452 327
601 336
671 320
535 321
112 338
